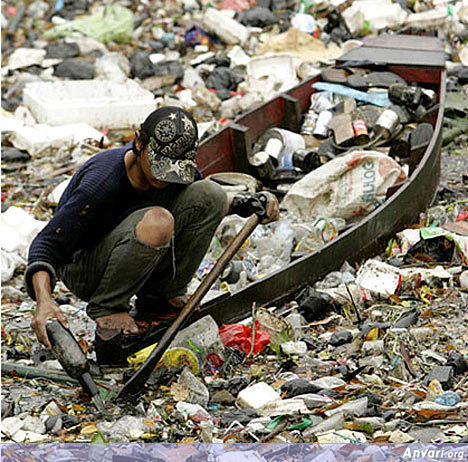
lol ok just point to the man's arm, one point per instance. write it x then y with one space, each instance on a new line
69 229
53 247
46 309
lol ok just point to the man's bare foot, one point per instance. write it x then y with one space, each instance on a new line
180 301
119 321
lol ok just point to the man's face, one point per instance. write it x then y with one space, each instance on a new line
145 166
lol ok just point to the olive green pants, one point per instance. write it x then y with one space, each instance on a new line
121 266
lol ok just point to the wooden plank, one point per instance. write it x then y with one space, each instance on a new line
395 56
242 147
292 113
404 42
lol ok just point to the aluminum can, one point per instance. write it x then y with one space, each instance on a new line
308 126
263 164
360 132
321 127
388 121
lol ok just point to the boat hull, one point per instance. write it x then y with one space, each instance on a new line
371 234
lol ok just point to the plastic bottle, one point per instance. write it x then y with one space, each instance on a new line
297 321
69 354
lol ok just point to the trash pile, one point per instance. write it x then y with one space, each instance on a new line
376 352
371 354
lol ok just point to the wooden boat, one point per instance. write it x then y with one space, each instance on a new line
415 59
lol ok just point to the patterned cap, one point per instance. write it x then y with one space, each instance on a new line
173 144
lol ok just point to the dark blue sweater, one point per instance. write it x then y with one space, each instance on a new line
98 197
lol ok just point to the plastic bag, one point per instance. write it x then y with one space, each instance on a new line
240 336
348 187
112 24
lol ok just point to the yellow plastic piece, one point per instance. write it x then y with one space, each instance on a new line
436 387
180 356
140 356
174 357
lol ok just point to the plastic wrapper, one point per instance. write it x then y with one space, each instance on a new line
240 336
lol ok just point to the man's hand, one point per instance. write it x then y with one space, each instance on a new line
44 312
46 309
264 204
272 210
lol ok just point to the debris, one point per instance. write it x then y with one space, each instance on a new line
444 374
373 352
256 396
198 393
240 336
111 24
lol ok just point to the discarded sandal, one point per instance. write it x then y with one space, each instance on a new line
374 79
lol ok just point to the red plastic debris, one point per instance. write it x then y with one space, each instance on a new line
463 216
240 336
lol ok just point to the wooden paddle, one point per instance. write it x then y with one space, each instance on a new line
135 384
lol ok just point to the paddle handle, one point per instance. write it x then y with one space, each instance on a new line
142 375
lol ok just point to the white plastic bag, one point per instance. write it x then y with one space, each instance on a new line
347 187
10 261
18 229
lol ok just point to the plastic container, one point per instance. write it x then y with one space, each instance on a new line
101 104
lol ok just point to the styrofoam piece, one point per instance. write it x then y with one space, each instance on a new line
156 58
227 29
87 44
380 14
25 57
10 124
18 229
238 56
384 279
294 348
464 280
257 395
277 70
280 66
35 138
200 58
284 407
463 54
191 79
435 17
112 66
102 104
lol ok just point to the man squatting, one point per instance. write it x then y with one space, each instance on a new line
135 220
